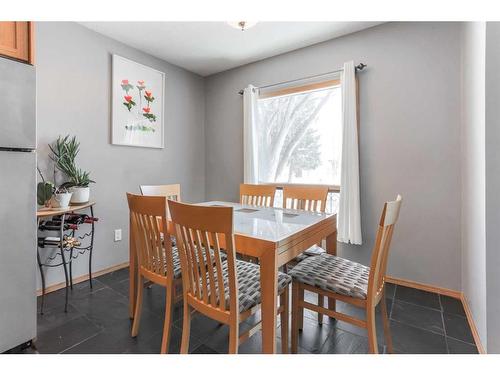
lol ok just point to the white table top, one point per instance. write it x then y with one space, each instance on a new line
271 224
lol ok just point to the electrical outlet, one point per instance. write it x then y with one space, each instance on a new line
118 235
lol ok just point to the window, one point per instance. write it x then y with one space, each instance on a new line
300 135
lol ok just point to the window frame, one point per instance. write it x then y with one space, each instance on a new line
298 90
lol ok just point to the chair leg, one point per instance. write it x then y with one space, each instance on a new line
234 337
300 316
165 342
387 329
284 321
295 316
186 328
372 330
138 307
321 300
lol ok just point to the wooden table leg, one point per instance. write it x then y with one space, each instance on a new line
331 248
132 273
269 290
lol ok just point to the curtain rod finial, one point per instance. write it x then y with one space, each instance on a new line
360 66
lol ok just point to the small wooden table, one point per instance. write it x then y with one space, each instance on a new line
275 236
49 212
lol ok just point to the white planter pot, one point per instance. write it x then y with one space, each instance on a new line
80 194
60 200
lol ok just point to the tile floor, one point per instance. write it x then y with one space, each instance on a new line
97 322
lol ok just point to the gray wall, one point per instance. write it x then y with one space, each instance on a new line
473 173
73 96
493 185
409 138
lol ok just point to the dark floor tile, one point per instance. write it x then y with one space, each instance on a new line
418 316
452 305
418 297
203 349
153 344
121 287
114 277
390 290
359 313
55 317
457 327
115 338
202 327
254 345
313 335
66 335
411 340
154 299
459 347
104 308
342 342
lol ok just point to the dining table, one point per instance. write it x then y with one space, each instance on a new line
274 236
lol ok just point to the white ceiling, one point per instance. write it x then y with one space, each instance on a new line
210 47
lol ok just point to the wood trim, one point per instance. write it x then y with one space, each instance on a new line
81 279
425 287
331 188
472 324
299 89
31 47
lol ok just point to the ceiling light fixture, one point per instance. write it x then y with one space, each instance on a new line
242 25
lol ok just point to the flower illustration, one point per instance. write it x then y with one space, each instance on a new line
148 96
124 81
140 85
146 109
126 85
128 98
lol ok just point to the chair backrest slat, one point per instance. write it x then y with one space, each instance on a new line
308 198
201 233
380 254
172 191
148 216
257 195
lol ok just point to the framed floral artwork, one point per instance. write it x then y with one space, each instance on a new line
137 104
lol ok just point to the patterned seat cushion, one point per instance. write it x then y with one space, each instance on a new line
248 275
312 251
333 274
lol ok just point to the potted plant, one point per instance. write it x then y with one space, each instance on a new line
61 198
64 153
50 196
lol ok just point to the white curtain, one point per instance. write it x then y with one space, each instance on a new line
250 145
349 215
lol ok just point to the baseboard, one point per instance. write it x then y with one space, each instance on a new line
445 292
426 287
80 279
473 328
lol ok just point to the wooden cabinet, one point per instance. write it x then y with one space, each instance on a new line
16 40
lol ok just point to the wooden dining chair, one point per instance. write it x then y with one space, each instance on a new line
257 195
307 198
157 262
227 291
172 192
349 282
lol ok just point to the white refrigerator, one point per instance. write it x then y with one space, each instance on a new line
17 203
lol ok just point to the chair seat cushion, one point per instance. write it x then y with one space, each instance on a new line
333 274
312 251
248 275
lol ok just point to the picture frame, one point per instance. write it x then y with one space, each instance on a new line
137 101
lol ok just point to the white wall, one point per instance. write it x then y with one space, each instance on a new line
409 137
73 97
473 172
492 136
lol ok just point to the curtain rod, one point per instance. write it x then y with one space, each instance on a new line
357 68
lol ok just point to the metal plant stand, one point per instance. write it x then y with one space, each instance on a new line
66 253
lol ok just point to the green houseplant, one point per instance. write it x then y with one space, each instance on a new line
48 195
64 153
